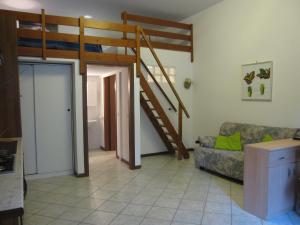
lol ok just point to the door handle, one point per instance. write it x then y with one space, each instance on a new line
69 110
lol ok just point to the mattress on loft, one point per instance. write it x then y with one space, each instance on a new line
59 45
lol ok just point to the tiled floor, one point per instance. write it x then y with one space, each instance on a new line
164 192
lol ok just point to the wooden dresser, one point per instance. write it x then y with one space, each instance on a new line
270 173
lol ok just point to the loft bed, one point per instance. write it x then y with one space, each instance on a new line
46 43
59 45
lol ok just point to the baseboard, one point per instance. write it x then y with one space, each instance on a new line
47 175
155 153
221 175
137 167
125 161
81 175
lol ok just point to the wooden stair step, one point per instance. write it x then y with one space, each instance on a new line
172 141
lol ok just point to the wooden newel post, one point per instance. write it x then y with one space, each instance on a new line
138 51
180 131
81 46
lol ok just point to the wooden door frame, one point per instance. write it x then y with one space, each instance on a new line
106 110
110 117
131 162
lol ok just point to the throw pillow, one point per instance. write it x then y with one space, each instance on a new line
267 138
232 143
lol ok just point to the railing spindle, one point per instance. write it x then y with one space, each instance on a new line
44 43
179 131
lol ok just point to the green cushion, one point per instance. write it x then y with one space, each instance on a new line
232 143
267 138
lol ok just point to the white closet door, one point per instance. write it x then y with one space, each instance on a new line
53 118
28 118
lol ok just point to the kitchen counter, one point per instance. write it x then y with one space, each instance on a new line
11 185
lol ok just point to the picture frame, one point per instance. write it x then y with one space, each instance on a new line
257 81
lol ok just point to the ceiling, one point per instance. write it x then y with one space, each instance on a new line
111 9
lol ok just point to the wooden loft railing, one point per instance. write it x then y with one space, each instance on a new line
162 24
81 39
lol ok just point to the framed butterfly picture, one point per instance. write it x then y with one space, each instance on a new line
257 81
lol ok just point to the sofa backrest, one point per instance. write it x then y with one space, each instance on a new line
254 133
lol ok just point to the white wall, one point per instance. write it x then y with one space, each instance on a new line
236 32
150 140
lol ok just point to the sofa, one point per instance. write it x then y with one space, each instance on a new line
231 163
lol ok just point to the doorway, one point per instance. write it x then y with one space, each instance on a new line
108 115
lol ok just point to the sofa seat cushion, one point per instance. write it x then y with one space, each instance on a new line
228 163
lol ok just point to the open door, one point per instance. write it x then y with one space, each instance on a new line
110 113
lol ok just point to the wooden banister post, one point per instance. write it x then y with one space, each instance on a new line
81 45
138 51
192 43
179 131
44 43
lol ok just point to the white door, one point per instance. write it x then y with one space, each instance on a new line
46 118
53 118
28 118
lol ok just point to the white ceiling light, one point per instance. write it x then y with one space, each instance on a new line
21 4
88 17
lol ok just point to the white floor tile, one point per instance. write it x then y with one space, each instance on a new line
126 220
100 218
151 221
136 210
161 213
75 214
188 216
216 219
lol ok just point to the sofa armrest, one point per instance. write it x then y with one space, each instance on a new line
207 141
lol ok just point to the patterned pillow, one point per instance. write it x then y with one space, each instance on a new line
207 141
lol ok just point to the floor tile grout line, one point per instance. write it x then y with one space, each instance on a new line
206 198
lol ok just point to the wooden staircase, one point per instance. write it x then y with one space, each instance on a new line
171 137
160 120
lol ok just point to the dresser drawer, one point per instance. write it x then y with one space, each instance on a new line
281 157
